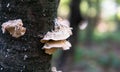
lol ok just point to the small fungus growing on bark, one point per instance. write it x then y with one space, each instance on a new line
56 39
14 27
51 46
65 45
54 69
61 32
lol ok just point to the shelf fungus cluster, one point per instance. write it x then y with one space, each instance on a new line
14 27
56 39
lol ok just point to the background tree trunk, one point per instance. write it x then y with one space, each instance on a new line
92 21
24 54
67 57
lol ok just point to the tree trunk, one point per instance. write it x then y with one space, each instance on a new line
92 22
67 57
24 54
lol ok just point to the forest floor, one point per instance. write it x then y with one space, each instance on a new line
98 57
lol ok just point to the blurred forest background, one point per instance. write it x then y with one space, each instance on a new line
96 36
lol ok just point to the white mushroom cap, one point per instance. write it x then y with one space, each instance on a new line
61 32
54 69
65 45
11 24
58 35
14 27
60 21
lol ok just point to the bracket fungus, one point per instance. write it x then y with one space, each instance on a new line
51 46
56 39
14 27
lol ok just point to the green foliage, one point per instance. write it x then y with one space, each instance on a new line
63 10
100 37
118 1
92 60
84 7
114 36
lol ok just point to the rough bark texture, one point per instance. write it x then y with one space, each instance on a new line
24 54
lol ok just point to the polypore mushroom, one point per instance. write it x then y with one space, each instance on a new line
57 38
65 45
14 27
60 32
51 46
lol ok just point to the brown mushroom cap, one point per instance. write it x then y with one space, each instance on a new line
50 51
61 32
14 27
65 45
56 39
59 35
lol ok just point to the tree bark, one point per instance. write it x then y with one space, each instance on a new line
24 54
